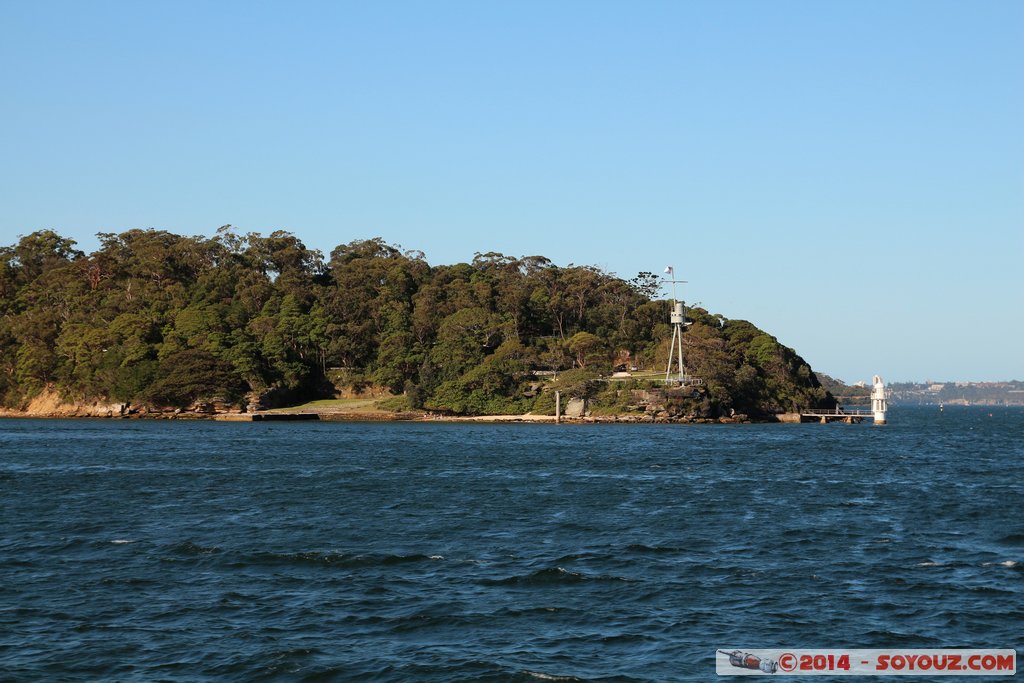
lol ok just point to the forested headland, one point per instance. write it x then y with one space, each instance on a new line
160 320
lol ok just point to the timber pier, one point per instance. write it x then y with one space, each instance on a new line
849 416
879 407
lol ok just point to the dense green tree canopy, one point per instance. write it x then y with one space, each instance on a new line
157 318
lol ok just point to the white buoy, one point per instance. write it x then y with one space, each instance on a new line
879 405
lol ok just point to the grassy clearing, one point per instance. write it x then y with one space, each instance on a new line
334 405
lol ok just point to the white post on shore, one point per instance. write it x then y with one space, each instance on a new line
558 407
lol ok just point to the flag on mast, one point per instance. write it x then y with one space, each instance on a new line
669 271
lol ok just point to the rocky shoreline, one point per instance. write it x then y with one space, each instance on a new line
48 404
120 411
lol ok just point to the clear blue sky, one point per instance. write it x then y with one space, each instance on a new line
847 175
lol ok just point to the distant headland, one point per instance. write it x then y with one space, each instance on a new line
156 324
1008 393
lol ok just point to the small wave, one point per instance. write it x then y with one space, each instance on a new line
896 638
626 639
430 620
235 596
130 581
552 576
288 662
1012 539
989 590
550 677
658 549
121 541
1004 563
190 548
576 557
531 611
336 559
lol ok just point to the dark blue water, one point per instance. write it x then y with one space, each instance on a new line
135 550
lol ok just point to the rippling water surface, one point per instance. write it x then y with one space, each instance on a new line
135 550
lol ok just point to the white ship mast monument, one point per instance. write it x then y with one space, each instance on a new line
677 316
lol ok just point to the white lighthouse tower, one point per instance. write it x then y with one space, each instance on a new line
878 402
